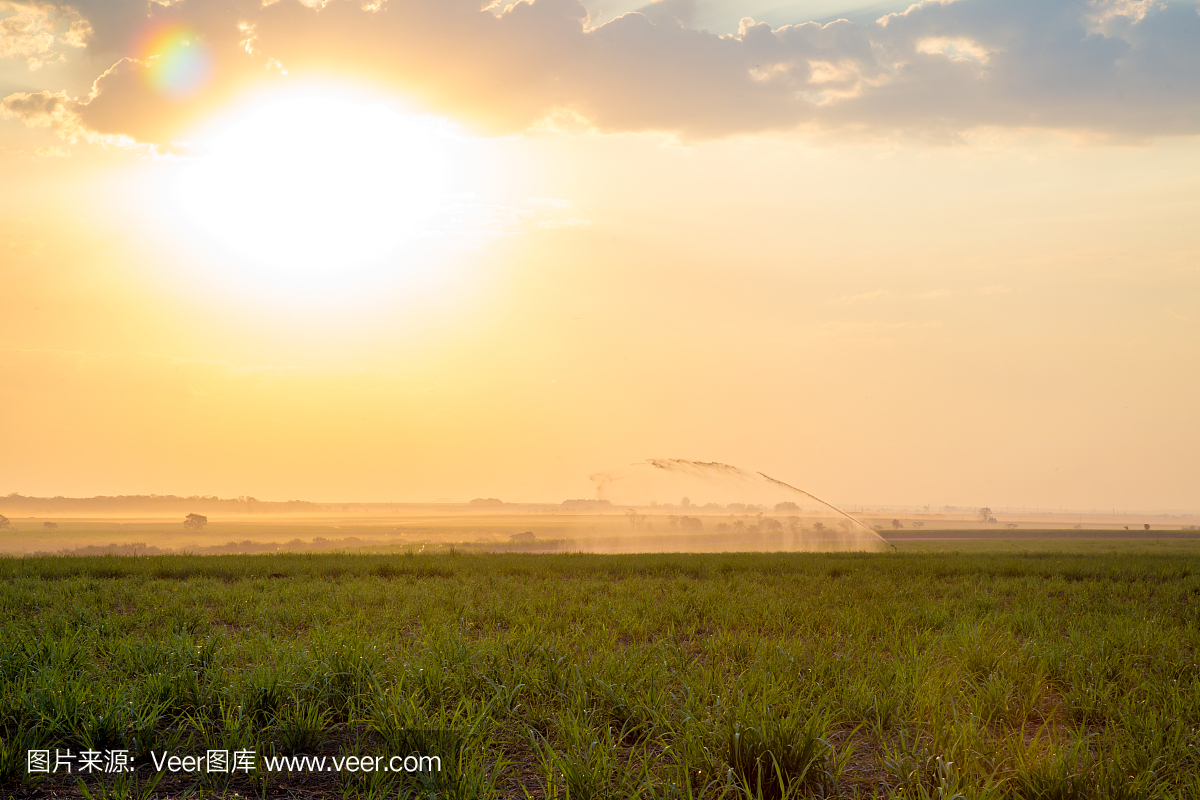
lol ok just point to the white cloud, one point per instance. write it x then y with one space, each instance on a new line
955 49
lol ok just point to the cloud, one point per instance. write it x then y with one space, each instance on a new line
64 115
1111 68
678 12
55 111
33 30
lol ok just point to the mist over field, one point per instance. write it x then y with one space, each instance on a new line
714 507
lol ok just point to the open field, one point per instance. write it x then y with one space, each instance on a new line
991 670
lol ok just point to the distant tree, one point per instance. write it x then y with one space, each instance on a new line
195 522
985 514
920 523
818 526
685 502
3 523
1147 526
636 520
897 524
50 526
525 536
786 505
771 524
1010 525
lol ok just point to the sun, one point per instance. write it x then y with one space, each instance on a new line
319 183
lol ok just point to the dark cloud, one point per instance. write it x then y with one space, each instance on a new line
1118 68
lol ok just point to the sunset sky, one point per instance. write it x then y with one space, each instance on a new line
418 249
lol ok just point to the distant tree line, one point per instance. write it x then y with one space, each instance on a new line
19 505
586 505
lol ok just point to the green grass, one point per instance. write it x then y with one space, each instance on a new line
1029 670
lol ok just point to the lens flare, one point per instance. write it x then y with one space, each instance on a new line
179 61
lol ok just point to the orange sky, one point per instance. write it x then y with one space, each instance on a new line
456 253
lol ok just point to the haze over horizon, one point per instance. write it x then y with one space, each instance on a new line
86 505
406 251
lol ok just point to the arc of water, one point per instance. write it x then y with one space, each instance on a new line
829 505
697 468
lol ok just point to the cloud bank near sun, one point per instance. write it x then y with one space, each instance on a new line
1118 68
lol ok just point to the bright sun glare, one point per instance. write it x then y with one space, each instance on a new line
319 184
